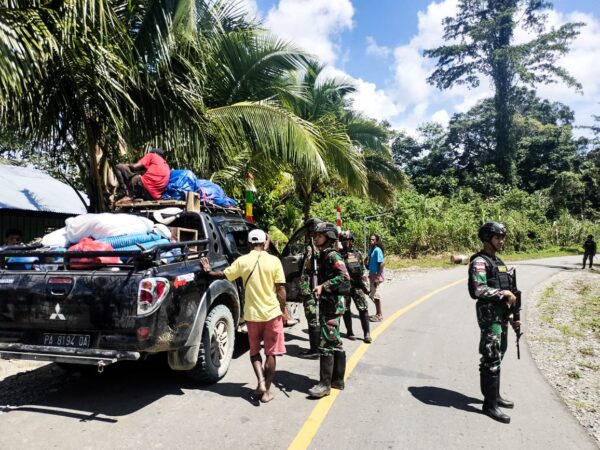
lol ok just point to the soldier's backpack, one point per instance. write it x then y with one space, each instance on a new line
354 265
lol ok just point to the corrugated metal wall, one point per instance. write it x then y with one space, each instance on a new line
31 223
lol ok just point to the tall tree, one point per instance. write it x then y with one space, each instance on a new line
481 43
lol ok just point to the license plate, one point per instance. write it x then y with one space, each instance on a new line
67 340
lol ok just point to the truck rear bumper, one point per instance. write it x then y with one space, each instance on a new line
94 357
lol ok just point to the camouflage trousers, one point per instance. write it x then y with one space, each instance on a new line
330 338
308 301
359 297
493 340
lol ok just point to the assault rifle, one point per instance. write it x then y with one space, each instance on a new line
515 310
314 281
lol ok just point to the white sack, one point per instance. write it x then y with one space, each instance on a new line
57 238
105 225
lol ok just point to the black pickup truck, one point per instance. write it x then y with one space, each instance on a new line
126 311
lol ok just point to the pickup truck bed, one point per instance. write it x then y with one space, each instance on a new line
119 312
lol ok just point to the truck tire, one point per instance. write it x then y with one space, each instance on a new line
216 349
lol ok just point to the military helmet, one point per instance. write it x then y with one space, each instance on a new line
311 224
347 236
590 236
328 229
491 229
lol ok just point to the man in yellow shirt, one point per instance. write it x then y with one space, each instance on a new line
264 306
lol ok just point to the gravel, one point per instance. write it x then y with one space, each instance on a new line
566 351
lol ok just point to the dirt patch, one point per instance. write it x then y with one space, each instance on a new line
563 333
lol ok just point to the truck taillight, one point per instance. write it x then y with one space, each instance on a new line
151 293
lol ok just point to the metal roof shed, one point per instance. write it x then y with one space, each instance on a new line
32 201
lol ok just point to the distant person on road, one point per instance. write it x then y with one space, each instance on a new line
13 236
359 289
589 250
264 306
375 265
334 283
489 283
306 295
148 185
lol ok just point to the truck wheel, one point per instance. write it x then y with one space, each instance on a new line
216 350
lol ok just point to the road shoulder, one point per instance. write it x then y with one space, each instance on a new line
564 340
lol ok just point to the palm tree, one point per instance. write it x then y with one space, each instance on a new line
129 73
372 138
359 159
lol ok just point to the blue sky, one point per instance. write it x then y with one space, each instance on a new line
379 43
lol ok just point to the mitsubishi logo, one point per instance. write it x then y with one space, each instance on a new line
57 315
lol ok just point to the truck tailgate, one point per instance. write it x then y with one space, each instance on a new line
68 301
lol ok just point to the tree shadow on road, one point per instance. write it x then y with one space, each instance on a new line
436 396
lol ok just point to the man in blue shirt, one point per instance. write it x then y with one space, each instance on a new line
375 275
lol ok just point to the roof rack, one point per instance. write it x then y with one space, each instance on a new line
192 203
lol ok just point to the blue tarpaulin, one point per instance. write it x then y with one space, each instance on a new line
182 181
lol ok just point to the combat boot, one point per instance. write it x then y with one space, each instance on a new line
364 321
348 323
313 339
489 387
504 403
339 370
324 387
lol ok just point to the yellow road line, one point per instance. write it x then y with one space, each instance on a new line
319 412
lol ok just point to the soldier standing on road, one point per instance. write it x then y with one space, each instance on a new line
305 294
490 283
356 270
589 250
334 282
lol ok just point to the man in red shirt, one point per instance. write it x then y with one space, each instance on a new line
151 184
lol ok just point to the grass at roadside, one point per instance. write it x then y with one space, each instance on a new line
443 261
563 333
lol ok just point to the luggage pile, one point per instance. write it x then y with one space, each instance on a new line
99 233
182 181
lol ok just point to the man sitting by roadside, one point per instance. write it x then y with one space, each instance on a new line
264 306
149 185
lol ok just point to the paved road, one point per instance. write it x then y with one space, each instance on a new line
416 386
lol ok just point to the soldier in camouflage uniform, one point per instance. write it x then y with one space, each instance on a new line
359 289
490 283
306 295
334 283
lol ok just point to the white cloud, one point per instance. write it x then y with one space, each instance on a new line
250 7
441 116
373 49
313 25
373 102
582 63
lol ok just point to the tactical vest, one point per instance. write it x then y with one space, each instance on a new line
498 275
327 272
353 260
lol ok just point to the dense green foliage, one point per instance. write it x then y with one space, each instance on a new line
549 159
423 224
85 85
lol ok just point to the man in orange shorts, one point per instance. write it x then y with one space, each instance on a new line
264 306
